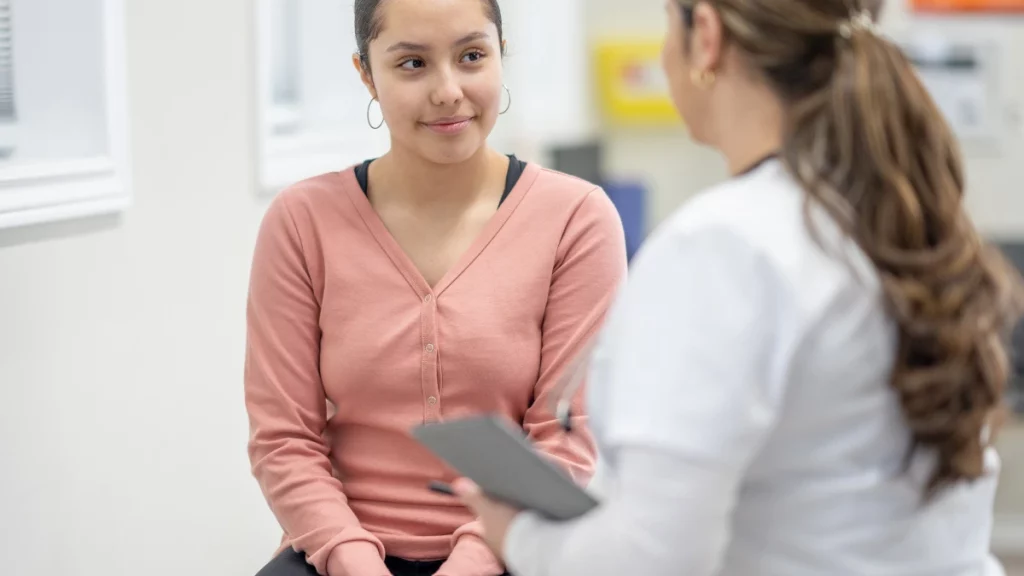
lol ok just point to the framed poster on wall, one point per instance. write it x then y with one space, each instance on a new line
631 86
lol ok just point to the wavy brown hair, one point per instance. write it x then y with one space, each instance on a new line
866 141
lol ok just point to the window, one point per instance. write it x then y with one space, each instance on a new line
286 65
63 120
8 116
549 81
311 103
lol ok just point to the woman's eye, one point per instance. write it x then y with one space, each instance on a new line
473 57
412 64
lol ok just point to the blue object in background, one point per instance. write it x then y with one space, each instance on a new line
630 198
583 160
1015 252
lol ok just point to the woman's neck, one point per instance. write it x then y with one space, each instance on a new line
750 127
406 177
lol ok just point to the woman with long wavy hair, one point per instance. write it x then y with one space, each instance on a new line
805 372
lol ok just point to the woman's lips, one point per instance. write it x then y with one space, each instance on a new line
449 126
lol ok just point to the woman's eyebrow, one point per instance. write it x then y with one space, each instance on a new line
412 46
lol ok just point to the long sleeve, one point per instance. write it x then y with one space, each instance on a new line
286 404
667 517
470 554
590 269
690 389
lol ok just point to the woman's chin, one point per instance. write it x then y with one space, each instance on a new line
451 151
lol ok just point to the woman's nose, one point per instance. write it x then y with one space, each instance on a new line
447 91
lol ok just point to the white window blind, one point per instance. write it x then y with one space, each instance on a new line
7 104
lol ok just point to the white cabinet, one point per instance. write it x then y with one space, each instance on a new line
63 110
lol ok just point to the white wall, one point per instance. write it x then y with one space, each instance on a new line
122 428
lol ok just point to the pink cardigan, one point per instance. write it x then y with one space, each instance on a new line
348 348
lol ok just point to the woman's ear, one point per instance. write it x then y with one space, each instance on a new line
364 74
706 38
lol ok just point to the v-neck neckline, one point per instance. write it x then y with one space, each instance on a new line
401 259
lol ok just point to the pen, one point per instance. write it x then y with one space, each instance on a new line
441 488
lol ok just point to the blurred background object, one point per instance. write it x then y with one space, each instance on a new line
8 108
146 141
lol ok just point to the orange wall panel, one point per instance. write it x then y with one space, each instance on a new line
968 5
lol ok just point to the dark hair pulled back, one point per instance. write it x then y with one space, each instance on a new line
368 23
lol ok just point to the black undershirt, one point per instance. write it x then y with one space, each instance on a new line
515 170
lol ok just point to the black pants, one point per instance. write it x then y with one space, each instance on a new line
292 563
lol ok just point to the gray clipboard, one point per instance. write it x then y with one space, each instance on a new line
499 458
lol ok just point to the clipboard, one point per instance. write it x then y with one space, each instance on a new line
500 459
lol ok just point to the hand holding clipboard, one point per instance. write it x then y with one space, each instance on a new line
502 462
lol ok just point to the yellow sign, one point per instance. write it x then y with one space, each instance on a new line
632 85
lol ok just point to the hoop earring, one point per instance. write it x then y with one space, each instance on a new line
509 105
702 78
370 122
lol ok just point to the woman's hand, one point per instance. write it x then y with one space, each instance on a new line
495 517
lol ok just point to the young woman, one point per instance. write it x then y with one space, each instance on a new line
440 280
803 373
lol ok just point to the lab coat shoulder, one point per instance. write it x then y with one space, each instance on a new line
699 329
764 209
798 244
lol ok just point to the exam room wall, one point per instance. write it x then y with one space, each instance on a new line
674 168
122 429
